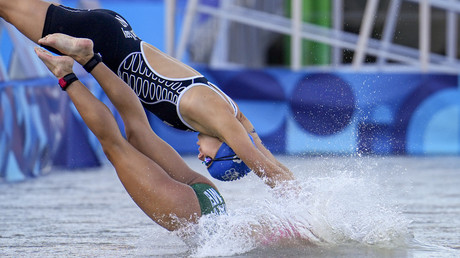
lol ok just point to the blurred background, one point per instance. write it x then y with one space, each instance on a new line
331 77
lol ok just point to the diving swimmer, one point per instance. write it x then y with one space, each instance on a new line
161 184
173 91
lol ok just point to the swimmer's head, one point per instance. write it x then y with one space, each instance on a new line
226 165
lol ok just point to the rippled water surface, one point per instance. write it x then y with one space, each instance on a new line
342 206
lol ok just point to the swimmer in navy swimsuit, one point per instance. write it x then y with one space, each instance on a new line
173 91
162 185
158 94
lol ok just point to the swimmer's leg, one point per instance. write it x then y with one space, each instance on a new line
79 49
28 16
138 130
147 183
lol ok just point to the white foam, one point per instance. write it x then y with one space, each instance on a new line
324 211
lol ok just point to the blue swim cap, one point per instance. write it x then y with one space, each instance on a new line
227 166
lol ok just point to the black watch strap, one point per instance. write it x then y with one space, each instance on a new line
65 81
96 59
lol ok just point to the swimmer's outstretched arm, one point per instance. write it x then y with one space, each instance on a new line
258 142
138 130
211 115
167 201
235 135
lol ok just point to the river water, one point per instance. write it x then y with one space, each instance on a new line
342 207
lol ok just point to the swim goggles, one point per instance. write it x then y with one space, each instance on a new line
208 160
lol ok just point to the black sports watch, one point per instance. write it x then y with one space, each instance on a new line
96 59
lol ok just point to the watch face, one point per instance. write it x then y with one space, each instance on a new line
65 81
62 82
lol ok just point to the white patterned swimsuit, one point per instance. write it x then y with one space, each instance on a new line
122 51
159 94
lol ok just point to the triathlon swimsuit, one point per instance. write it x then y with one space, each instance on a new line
211 202
123 53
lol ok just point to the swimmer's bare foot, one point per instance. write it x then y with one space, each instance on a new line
80 49
60 66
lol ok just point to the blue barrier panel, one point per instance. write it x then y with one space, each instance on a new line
341 113
39 129
294 113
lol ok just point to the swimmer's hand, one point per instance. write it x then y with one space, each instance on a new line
58 65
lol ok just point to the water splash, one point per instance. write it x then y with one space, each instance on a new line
320 211
354 210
